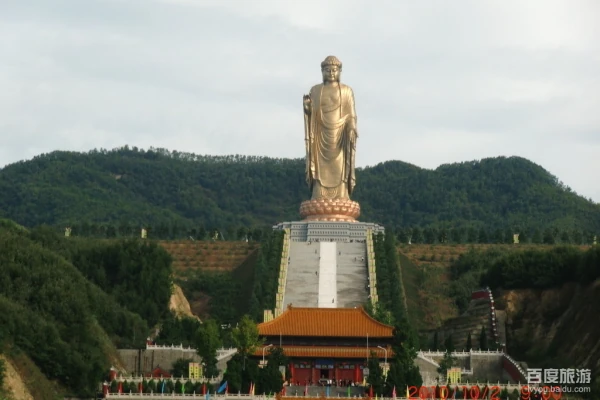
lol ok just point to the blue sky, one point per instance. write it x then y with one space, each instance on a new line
435 81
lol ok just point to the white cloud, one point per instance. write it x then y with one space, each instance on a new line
435 82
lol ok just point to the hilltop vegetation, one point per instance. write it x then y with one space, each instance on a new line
65 303
114 193
529 269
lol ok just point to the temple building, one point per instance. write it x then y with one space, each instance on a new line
326 343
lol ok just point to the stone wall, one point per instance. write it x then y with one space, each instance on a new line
487 367
305 231
141 362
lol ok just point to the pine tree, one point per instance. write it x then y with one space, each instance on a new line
469 344
375 378
449 344
483 344
483 236
403 370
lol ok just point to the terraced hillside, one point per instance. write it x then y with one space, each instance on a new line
214 275
208 256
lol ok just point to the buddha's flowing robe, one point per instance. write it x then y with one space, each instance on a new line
330 149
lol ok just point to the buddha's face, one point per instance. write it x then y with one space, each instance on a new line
331 73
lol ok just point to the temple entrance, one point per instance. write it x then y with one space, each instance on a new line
325 370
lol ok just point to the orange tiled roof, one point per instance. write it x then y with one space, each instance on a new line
325 322
329 351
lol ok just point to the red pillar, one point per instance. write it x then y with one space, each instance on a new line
292 373
356 371
105 389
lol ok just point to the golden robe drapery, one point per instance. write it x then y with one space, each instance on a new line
330 144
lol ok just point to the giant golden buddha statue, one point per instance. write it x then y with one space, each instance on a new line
330 136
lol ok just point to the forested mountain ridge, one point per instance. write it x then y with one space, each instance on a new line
135 187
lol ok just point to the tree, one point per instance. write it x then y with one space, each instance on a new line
536 236
523 236
402 235
245 337
498 236
457 235
509 235
549 236
442 235
577 236
270 378
181 367
472 235
233 373
376 378
483 343
201 232
430 235
417 235
564 237
449 344
483 236
436 344
403 370
447 362
379 313
469 344
240 373
208 342
277 357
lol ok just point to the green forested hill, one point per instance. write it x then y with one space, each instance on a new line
128 187
66 303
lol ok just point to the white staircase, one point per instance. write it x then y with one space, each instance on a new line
327 275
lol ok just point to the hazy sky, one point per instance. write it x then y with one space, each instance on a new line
435 81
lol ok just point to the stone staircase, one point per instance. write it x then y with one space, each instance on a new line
302 283
326 275
352 275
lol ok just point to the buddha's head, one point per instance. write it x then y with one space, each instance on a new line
331 69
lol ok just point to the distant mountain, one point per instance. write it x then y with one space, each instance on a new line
132 187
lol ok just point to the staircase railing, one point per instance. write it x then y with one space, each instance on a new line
371 268
283 267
